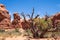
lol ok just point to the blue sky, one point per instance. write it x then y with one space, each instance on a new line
40 6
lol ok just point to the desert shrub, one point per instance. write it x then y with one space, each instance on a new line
47 35
16 29
29 33
43 27
58 27
2 30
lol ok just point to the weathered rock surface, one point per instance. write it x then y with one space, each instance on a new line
16 21
25 25
4 17
55 19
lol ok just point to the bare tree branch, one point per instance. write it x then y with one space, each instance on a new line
36 16
32 13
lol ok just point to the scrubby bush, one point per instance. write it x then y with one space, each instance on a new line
1 30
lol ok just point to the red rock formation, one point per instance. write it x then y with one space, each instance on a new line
16 21
55 19
26 24
5 20
4 17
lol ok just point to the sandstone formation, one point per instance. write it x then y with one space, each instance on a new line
25 25
4 17
55 19
5 20
16 21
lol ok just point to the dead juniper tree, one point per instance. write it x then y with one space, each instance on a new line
33 27
30 24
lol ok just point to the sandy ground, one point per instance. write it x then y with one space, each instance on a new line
21 37
16 38
24 38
